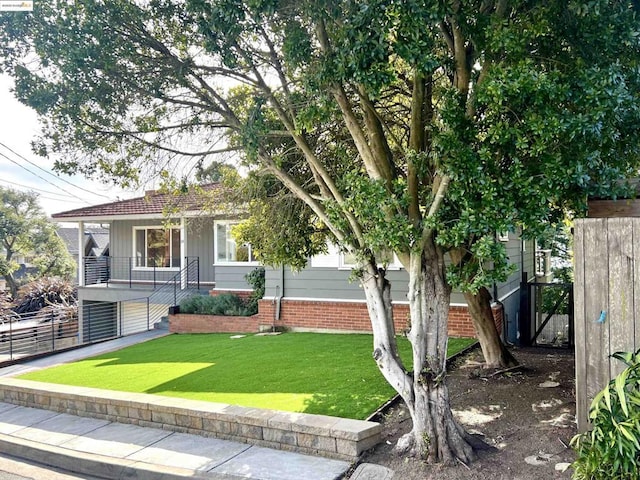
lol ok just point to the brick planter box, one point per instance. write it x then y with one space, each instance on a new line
193 323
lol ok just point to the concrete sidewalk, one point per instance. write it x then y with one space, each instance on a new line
117 451
114 450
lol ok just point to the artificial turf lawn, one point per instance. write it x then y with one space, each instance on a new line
297 372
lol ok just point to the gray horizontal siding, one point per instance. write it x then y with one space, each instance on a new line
517 258
200 242
332 283
231 277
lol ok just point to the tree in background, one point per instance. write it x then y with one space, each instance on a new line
419 128
26 232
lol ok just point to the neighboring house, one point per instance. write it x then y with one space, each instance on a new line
156 258
95 242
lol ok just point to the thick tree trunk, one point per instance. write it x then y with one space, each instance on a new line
11 284
435 436
494 351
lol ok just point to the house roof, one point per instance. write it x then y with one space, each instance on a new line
70 238
95 238
100 237
152 205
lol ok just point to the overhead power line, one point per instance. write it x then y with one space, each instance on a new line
44 179
36 189
49 173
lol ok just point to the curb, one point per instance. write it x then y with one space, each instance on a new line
98 465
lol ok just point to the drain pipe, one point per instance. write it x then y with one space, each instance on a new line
277 300
276 311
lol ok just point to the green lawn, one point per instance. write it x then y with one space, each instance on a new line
297 372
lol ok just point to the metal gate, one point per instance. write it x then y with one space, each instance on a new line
546 315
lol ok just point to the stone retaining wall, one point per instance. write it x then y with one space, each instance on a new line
321 435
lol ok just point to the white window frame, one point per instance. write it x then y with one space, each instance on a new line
229 224
344 265
153 227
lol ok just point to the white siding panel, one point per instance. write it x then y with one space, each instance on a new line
134 317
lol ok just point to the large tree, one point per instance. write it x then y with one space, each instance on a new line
421 127
26 232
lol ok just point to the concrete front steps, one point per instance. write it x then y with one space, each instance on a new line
332 437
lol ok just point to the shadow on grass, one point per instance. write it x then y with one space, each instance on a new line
310 373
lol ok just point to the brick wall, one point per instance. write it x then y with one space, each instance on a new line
318 315
353 316
192 323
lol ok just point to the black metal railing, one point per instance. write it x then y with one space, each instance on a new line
54 329
36 333
130 271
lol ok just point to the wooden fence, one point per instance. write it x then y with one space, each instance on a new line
606 301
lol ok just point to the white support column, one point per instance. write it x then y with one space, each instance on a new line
81 254
183 252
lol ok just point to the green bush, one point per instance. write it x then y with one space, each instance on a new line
224 304
255 278
611 451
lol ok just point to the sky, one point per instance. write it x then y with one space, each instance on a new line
22 170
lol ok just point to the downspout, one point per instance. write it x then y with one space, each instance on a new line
81 273
277 299
184 261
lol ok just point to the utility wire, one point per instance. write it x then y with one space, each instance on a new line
44 179
49 173
36 189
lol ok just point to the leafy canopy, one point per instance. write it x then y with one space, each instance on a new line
375 123
26 232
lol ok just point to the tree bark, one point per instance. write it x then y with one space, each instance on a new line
436 436
493 350
11 284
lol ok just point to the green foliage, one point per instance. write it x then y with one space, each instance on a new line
611 450
269 209
25 231
419 126
255 278
549 113
224 304
485 263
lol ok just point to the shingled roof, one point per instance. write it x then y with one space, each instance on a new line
153 203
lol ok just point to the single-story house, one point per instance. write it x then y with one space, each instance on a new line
163 247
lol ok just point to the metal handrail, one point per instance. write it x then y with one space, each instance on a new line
107 269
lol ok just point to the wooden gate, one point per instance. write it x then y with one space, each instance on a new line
607 302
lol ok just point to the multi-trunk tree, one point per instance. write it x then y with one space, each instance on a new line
418 127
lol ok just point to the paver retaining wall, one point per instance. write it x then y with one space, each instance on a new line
332 437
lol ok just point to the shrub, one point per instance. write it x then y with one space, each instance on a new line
44 292
225 304
255 278
611 450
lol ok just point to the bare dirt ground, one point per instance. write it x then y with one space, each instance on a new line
527 414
